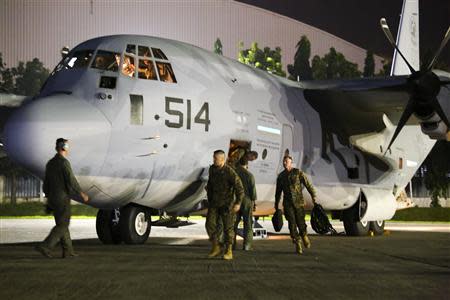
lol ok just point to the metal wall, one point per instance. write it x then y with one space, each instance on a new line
40 28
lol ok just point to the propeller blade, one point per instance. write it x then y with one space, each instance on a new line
438 109
388 34
441 47
403 119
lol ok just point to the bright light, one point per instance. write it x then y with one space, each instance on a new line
269 130
411 163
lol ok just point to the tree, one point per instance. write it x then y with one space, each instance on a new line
25 79
6 78
9 169
29 77
437 178
218 47
318 68
369 65
334 65
301 68
266 59
386 69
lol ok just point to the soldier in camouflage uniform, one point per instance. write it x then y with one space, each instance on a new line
247 204
59 185
223 185
291 182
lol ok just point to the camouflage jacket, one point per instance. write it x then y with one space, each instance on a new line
291 184
59 183
248 181
223 184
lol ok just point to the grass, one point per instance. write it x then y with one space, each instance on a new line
36 210
428 214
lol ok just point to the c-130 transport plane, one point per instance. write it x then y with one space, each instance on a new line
144 115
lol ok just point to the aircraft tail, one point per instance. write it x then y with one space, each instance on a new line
407 39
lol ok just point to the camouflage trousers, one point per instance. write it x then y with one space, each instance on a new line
220 222
296 221
60 232
246 213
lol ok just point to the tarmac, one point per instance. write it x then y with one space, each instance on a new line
173 265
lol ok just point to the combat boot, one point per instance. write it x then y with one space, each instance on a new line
247 247
215 250
228 252
43 250
298 247
69 254
306 241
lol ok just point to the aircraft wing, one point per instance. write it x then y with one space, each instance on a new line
355 107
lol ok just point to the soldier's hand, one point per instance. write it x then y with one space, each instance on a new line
236 208
85 197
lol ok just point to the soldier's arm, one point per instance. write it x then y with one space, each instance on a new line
278 192
238 187
253 189
308 186
208 190
45 185
72 185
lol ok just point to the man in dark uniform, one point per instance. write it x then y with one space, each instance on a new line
246 210
59 186
223 184
291 182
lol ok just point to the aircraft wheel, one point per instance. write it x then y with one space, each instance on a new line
356 228
135 224
107 226
352 224
377 227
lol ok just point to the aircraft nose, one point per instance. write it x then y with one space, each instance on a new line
31 132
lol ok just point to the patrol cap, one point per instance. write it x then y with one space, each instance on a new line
287 156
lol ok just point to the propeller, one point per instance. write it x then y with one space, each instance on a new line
388 34
423 86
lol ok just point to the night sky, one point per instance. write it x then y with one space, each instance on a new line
358 21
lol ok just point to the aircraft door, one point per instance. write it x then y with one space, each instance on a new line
286 146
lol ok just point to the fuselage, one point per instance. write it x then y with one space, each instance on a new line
144 136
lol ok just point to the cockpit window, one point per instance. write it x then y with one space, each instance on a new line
79 59
144 51
128 66
147 69
165 72
105 60
149 63
159 54
131 49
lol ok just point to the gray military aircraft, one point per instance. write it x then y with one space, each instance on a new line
144 115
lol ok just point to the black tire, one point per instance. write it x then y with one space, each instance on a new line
356 228
377 227
135 224
107 230
351 217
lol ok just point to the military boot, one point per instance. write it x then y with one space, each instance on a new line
298 247
215 250
43 250
306 241
228 252
69 254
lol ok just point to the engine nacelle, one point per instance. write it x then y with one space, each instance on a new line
380 205
434 127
